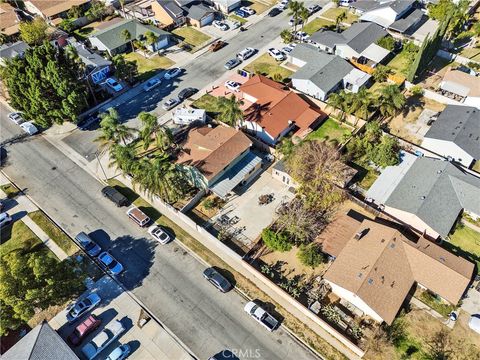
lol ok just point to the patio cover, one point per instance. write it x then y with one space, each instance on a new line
455 88
375 53
377 19
231 178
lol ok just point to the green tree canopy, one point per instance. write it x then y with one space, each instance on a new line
96 10
311 255
387 42
230 112
276 241
125 70
33 32
44 85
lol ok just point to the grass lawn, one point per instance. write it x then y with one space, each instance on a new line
317 24
234 17
54 232
191 35
400 63
368 179
268 66
149 67
18 236
329 130
465 242
334 12
208 102
471 53
10 190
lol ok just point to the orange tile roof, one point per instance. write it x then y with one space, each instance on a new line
210 150
277 106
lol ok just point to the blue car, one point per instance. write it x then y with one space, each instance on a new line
241 13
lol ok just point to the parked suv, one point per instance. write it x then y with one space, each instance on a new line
113 195
246 53
138 216
87 244
186 93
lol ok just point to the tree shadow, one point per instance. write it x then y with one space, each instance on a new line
101 238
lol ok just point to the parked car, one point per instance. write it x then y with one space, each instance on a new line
89 325
79 308
217 280
103 339
292 22
138 216
248 10
5 219
246 53
232 85
114 84
119 353
109 263
236 24
16 117
287 49
186 93
261 316
301 35
220 25
274 12
230 64
241 13
89 120
159 234
224 355
313 8
115 196
170 103
474 323
172 73
276 54
217 45
152 83
283 6
87 244
29 128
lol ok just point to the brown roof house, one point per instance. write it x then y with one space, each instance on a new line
379 264
219 158
276 110
53 9
9 19
465 86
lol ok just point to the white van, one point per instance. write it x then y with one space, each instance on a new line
246 53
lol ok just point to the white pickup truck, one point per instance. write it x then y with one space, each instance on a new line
103 339
263 317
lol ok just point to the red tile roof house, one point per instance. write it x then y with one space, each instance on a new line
275 111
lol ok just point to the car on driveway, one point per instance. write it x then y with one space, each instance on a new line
29 128
108 262
16 117
236 24
217 280
159 234
114 196
5 219
119 353
276 54
287 49
301 35
220 25
89 325
186 93
274 12
114 85
170 103
313 8
241 13
172 73
230 64
79 308
248 10
87 244
232 85
152 83
103 339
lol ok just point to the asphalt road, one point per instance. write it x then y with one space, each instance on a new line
165 278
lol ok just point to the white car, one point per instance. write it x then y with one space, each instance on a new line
276 54
220 25
16 117
287 49
5 219
282 6
159 234
107 261
151 84
248 10
314 8
170 103
119 353
113 84
301 35
172 73
79 308
246 53
29 128
103 339
232 85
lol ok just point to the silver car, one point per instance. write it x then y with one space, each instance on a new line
217 280
79 308
170 103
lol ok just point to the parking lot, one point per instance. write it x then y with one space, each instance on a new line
149 342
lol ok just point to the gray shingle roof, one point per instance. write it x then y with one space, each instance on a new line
461 125
41 343
198 12
402 25
327 38
436 191
172 8
10 51
89 58
396 5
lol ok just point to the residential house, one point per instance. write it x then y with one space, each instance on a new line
273 111
41 343
377 266
179 12
456 134
465 86
111 39
427 194
357 43
53 11
219 158
97 67
320 73
11 51
199 15
9 19
226 6
169 13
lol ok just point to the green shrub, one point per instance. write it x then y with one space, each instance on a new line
208 204
311 255
276 241
416 90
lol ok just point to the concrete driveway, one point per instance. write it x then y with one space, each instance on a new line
471 304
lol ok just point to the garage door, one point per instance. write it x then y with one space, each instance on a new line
162 43
207 20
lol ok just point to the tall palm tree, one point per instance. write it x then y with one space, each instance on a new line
149 127
72 54
230 112
390 100
304 14
338 101
127 37
123 157
150 39
112 130
294 8
361 103
340 18
164 138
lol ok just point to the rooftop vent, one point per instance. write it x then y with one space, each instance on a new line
370 281
360 275
383 279
392 246
442 259
422 197
392 284
360 234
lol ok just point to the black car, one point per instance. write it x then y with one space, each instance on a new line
274 12
217 280
88 121
186 93
114 196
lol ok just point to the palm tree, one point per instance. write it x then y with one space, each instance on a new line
151 39
72 54
340 18
286 36
164 138
112 130
303 14
128 37
294 8
123 157
361 103
230 112
338 101
390 100
149 128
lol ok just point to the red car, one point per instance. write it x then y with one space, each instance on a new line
81 331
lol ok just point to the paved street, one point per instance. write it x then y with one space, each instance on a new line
165 278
